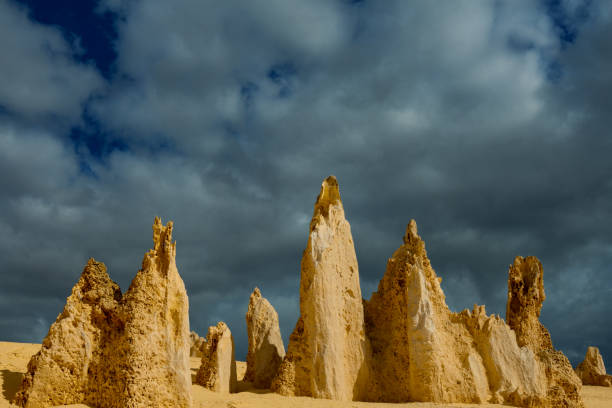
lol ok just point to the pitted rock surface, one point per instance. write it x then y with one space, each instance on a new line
109 350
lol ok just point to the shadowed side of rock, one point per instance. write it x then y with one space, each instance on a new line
217 370
525 298
328 352
592 370
266 349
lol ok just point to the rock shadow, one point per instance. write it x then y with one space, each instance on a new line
11 381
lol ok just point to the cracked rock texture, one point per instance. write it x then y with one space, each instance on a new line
328 352
217 370
109 350
266 349
525 298
592 370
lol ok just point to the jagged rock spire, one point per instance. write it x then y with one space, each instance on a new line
156 314
525 298
419 349
108 350
71 349
327 356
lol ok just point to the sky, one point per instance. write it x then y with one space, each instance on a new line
488 122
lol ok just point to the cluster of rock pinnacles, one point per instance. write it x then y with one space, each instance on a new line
108 349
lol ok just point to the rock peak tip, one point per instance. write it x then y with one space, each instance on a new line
330 193
162 235
331 180
411 231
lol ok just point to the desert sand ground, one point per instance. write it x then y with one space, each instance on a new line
14 359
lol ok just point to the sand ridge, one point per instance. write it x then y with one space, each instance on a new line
14 358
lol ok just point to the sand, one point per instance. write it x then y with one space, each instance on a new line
14 358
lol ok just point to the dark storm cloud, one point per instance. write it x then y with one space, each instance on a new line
231 115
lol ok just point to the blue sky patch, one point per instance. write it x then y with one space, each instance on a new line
93 33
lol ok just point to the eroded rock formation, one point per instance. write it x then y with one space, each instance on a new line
155 310
217 371
59 373
592 370
513 373
416 354
424 352
415 348
196 344
404 344
525 298
108 350
266 349
328 354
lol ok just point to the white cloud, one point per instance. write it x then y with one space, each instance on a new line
40 77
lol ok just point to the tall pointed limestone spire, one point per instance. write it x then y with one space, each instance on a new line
156 305
71 351
327 356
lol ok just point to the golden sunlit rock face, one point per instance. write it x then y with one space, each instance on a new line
328 352
414 348
156 314
59 373
404 344
266 349
217 370
424 352
525 298
592 370
109 350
